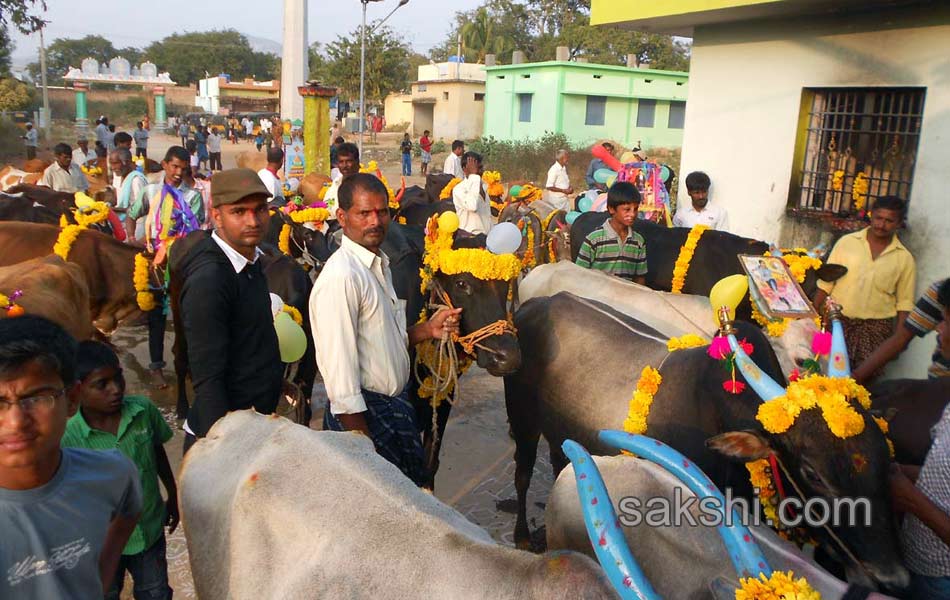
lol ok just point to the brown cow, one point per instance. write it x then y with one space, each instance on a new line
107 263
53 289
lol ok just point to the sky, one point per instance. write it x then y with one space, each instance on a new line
422 23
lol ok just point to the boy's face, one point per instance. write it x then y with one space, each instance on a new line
699 196
625 214
30 438
102 391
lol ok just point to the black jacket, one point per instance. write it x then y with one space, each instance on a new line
231 341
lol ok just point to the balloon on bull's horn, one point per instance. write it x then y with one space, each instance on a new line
291 338
602 175
504 238
571 217
448 222
729 292
514 191
584 204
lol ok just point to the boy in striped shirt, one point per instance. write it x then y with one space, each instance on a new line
929 314
616 248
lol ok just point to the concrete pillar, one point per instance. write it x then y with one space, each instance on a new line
517 57
316 127
161 121
562 53
490 60
82 112
631 61
294 68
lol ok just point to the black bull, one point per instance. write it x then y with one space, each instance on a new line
581 363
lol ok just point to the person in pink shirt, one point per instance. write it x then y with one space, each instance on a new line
425 142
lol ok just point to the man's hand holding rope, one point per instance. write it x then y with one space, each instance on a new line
445 322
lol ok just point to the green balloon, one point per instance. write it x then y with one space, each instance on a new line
514 191
290 338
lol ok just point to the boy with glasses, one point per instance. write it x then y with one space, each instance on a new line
67 513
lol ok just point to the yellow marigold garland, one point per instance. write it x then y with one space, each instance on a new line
446 193
530 193
829 394
427 354
528 261
683 342
144 298
294 314
93 171
884 426
493 180
66 239
782 585
799 262
685 256
94 214
761 479
482 264
859 190
283 241
837 180
310 215
647 387
373 169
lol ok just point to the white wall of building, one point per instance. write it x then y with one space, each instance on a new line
746 85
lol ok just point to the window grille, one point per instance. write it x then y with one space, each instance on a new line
596 110
524 108
646 113
860 144
677 114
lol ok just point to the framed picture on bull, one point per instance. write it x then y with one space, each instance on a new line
773 288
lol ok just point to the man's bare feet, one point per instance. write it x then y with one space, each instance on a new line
158 379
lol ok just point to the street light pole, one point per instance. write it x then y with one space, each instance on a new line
363 62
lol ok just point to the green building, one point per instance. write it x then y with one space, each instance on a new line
585 102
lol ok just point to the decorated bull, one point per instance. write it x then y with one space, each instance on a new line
368 532
565 340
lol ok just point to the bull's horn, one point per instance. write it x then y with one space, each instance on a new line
744 552
838 363
818 250
764 386
775 250
603 528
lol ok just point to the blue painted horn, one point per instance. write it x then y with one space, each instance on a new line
744 552
839 364
775 250
764 386
603 528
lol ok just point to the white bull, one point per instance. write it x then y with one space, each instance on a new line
672 315
274 510
682 561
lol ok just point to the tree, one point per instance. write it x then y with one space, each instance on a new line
64 53
6 49
189 57
387 64
14 95
19 13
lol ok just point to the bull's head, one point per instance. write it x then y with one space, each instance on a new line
560 236
484 304
822 464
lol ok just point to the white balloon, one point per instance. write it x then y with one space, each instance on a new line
504 238
276 304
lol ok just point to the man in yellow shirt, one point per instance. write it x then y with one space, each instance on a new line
879 284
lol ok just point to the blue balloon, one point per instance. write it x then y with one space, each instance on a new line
571 217
602 175
584 204
664 173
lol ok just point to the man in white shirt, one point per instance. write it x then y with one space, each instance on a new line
275 160
360 334
214 150
64 175
699 211
558 184
83 155
471 197
103 135
348 161
453 162
132 184
32 138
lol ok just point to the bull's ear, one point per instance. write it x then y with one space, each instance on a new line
831 272
744 446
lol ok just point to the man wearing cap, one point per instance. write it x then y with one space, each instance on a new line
225 307
82 155
170 210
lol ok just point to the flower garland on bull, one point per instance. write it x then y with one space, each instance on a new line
441 382
681 266
372 167
495 190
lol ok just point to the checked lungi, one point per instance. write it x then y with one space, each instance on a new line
863 336
394 431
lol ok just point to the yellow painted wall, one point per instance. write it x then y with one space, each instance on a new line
618 11
459 116
398 109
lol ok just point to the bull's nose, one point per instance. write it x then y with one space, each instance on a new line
504 361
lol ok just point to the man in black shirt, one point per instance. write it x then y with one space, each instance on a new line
226 310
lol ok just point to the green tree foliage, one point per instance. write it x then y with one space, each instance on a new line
6 48
15 95
189 57
388 64
538 27
21 14
64 53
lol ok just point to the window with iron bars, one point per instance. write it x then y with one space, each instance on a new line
859 144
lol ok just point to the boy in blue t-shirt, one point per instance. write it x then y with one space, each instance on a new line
108 419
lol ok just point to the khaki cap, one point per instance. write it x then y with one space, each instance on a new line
234 185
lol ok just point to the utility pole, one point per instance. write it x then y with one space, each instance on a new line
46 115
458 57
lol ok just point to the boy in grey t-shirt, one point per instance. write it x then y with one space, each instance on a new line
65 514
